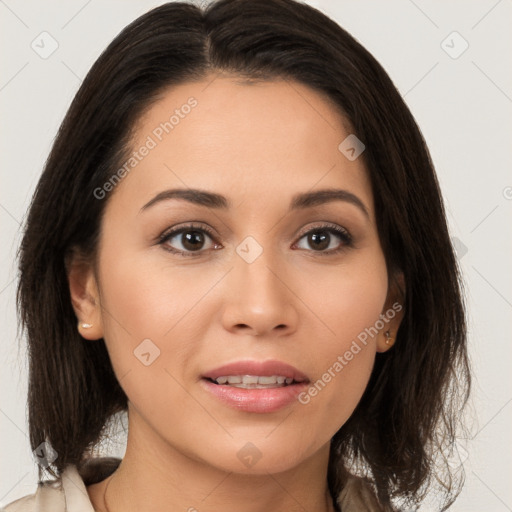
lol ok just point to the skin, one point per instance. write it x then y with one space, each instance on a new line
258 145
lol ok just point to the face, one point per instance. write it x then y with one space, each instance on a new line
264 276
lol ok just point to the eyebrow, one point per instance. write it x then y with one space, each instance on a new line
298 202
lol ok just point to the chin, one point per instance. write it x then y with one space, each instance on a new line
260 456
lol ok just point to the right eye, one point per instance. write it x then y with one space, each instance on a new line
190 240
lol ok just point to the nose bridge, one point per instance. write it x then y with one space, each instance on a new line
253 270
259 298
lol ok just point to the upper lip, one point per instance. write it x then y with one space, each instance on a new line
260 368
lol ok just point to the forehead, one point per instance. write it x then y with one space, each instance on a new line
240 139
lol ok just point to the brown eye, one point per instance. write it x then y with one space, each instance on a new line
326 239
192 240
187 240
319 240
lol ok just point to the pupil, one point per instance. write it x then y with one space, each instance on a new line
192 240
319 239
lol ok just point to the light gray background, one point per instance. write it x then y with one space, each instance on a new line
463 106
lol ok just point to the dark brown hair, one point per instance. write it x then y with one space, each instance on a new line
410 407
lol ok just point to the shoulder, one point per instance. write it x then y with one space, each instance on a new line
69 492
48 496
358 495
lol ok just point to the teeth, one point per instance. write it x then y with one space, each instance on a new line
254 381
265 380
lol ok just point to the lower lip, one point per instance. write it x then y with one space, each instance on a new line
255 400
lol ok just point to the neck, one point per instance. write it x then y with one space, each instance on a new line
154 475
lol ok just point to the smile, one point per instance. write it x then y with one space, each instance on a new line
255 386
254 381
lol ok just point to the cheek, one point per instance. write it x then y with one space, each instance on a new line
347 307
149 298
145 319
146 311
346 300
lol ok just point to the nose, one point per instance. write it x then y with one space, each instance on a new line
259 298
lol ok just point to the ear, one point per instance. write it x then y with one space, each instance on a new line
392 313
84 296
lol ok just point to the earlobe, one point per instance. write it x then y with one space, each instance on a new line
392 314
389 340
389 337
84 297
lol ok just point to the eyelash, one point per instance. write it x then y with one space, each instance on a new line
330 228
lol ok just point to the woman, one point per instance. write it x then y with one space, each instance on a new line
239 239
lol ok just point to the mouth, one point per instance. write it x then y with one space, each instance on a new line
255 386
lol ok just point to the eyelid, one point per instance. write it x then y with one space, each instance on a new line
189 226
324 225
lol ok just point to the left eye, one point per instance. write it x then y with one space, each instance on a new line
322 240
